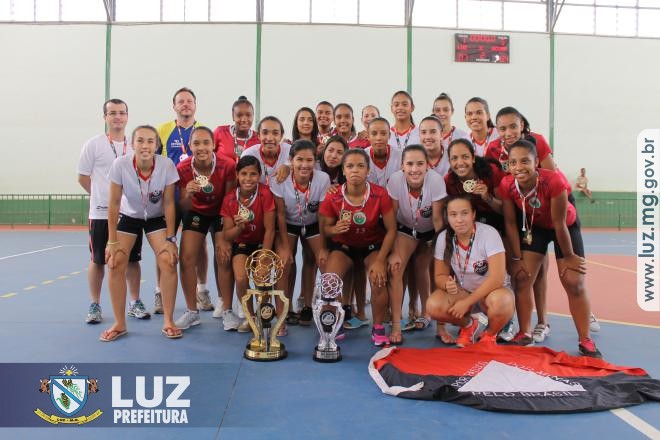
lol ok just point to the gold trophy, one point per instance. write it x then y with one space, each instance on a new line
264 268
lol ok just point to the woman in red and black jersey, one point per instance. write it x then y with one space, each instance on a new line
204 180
360 224
231 140
540 198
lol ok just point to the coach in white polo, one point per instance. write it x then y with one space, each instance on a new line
96 157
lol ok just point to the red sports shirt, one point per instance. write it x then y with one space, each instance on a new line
496 150
550 185
455 187
203 202
225 143
254 230
372 231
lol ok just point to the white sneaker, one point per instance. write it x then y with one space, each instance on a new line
541 331
244 327
204 300
240 313
508 332
158 303
219 308
594 325
187 320
230 320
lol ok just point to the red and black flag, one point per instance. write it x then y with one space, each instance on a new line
511 378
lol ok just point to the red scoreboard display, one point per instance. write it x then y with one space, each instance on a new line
481 48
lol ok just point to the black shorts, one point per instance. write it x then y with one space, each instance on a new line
244 248
426 237
541 237
135 226
310 230
354 252
194 221
98 239
493 219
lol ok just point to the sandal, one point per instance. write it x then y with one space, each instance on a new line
111 335
292 318
422 323
355 322
395 334
172 332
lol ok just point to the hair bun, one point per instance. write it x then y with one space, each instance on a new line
242 98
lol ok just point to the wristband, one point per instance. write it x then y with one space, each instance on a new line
516 258
112 243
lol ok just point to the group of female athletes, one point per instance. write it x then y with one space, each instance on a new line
461 219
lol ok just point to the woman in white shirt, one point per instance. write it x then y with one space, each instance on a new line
142 200
470 274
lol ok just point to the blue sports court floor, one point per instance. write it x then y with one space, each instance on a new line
43 302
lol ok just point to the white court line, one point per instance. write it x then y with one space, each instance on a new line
637 423
40 250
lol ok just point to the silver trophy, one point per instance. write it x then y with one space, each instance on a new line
328 316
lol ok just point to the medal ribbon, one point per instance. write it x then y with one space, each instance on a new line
414 219
140 177
407 133
197 173
364 200
524 202
463 269
302 210
238 149
250 200
112 145
184 149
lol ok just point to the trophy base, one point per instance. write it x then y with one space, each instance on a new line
265 356
327 356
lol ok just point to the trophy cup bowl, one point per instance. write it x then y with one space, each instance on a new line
328 316
264 268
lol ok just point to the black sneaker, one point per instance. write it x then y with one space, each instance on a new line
588 348
305 316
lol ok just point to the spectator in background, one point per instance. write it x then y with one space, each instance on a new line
581 184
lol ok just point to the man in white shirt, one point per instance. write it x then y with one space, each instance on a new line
96 157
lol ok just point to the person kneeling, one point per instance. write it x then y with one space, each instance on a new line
469 271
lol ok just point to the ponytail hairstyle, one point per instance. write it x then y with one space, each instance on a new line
148 127
444 97
481 165
240 101
295 133
505 111
407 95
483 102
450 233
379 119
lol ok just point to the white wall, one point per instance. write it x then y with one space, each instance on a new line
52 89
52 82
151 62
607 91
303 65
523 83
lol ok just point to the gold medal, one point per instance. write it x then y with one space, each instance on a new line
528 238
345 215
202 181
470 185
244 213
